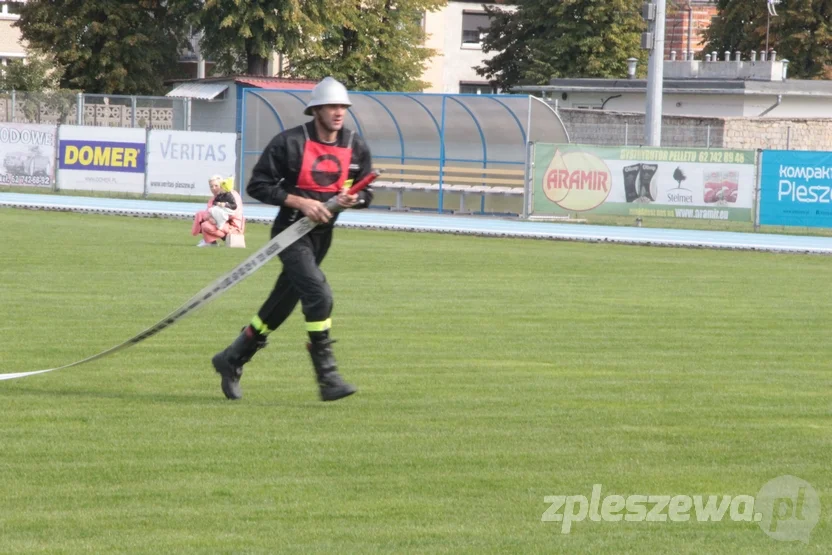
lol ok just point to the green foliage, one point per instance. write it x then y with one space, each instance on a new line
38 72
545 39
241 36
379 47
801 33
36 82
124 47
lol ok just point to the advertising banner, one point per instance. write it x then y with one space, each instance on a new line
27 154
181 162
101 158
796 188
691 183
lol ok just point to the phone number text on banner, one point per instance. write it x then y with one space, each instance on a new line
649 182
796 188
27 154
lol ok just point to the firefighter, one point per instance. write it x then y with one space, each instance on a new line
299 170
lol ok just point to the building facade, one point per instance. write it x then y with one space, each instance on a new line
455 32
724 88
11 47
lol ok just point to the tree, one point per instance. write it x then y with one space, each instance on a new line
38 72
240 36
107 46
801 32
378 47
36 80
679 176
544 39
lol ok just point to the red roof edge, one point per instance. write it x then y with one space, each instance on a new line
275 82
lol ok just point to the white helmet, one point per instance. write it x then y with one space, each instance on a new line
328 91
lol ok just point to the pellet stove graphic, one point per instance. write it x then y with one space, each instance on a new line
640 182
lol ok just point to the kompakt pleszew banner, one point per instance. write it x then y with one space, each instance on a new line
182 162
685 183
796 188
27 154
101 158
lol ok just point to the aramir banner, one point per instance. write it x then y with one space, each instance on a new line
796 188
27 154
708 184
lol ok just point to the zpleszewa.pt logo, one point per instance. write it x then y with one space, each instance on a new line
786 508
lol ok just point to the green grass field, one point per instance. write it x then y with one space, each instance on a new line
491 372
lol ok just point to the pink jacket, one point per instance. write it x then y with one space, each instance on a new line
236 222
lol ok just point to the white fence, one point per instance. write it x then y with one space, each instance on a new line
64 107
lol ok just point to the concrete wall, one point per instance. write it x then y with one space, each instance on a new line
10 45
435 39
783 134
745 70
608 128
790 107
614 128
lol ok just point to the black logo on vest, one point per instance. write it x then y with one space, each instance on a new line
326 170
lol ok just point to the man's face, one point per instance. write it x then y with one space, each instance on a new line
331 116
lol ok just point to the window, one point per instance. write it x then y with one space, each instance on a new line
10 7
476 88
474 26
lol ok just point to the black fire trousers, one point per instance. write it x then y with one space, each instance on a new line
301 280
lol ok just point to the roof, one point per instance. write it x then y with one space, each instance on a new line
791 87
243 77
276 83
201 91
211 87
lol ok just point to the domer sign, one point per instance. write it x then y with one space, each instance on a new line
125 157
101 158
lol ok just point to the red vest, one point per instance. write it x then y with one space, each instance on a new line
324 168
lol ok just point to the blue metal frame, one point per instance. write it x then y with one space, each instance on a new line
242 146
392 117
299 99
484 149
442 157
425 108
279 119
512 114
440 127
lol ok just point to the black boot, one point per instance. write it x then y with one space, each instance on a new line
229 363
330 382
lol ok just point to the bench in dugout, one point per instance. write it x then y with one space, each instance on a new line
402 178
